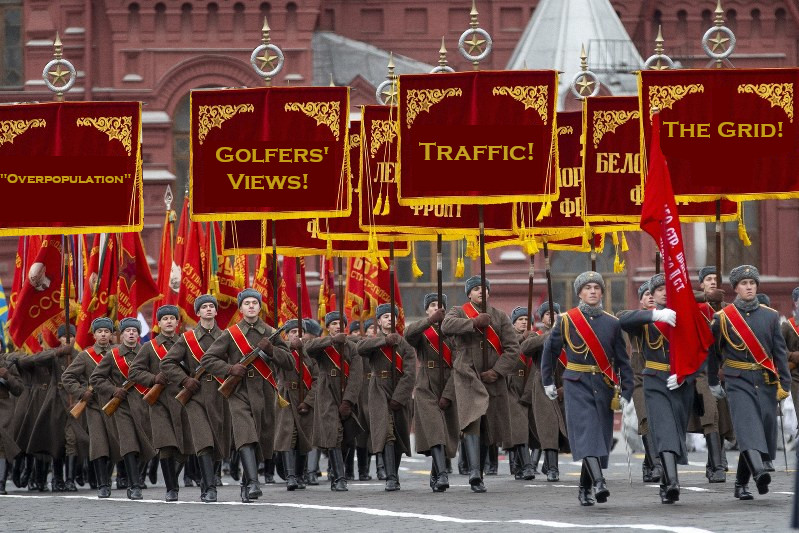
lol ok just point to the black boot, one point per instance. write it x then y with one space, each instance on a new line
235 471
755 463
217 473
313 467
16 470
91 475
71 466
300 460
57 484
364 460
441 481
122 477
42 469
349 462
584 492
525 464
535 458
715 472
100 467
742 481
601 491
169 470
143 468
463 467
132 467
492 460
3 474
207 473
553 473
269 471
80 471
250 475
767 464
290 465
390 461
513 463
26 473
152 472
338 479
448 462
655 470
189 474
471 445
670 487
380 464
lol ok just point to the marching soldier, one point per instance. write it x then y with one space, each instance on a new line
363 442
790 332
715 423
296 379
311 330
207 410
668 401
103 442
752 350
337 389
168 420
522 426
480 368
593 343
435 413
111 380
549 414
651 468
252 404
11 387
393 365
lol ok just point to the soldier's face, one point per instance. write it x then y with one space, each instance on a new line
520 324
168 324
250 307
130 337
647 301
292 334
385 322
432 308
334 328
660 295
371 331
746 289
547 319
591 293
709 283
356 333
476 295
207 311
102 336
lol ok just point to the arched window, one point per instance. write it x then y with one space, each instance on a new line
133 18
755 27
682 22
238 19
732 19
185 19
213 17
265 9
780 21
291 16
11 44
160 18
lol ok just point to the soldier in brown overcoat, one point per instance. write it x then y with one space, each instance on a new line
207 410
252 404
11 387
393 365
338 385
168 420
103 442
132 417
363 442
480 384
522 427
435 412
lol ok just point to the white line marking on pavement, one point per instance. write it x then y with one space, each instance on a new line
648 527
551 485
788 493
683 487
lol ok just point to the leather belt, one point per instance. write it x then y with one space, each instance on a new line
522 373
654 365
251 373
292 385
385 374
368 375
333 372
739 365
589 369
209 377
432 364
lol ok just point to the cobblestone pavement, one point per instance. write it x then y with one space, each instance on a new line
508 505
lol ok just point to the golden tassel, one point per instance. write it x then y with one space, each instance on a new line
417 272
378 205
386 206
624 246
239 279
61 299
742 235
618 265
459 268
383 264
531 246
282 402
472 247
488 258
615 403
615 237
781 393
329 249
545 211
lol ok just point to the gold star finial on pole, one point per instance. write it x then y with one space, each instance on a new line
659 60
59 74
271 59
585 83
718 42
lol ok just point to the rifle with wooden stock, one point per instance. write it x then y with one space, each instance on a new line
231 382
111 407
79 407
185 394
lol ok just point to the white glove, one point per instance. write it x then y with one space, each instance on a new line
665 315
623 402
718 391
551 392
672 382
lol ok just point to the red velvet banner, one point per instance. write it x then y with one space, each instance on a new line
477 137
269 153
70 167
612 167
564 217
297 238
725 133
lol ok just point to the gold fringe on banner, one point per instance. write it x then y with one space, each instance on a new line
742 234
417 272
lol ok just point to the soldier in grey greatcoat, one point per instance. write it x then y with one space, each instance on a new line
752 391
523 427
669 402
480 384
587 389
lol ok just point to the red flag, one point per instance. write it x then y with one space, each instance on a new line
288 291
377 286
135 285
100 287
327 290
354 292
193 282
169 294
41 291
690 339
227 276
263 284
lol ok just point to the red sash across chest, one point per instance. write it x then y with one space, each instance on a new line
338 360
160 351
246 348
195 349
302 368
749 338
432 337
397 358
491 334
123 367
94 355
592 341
